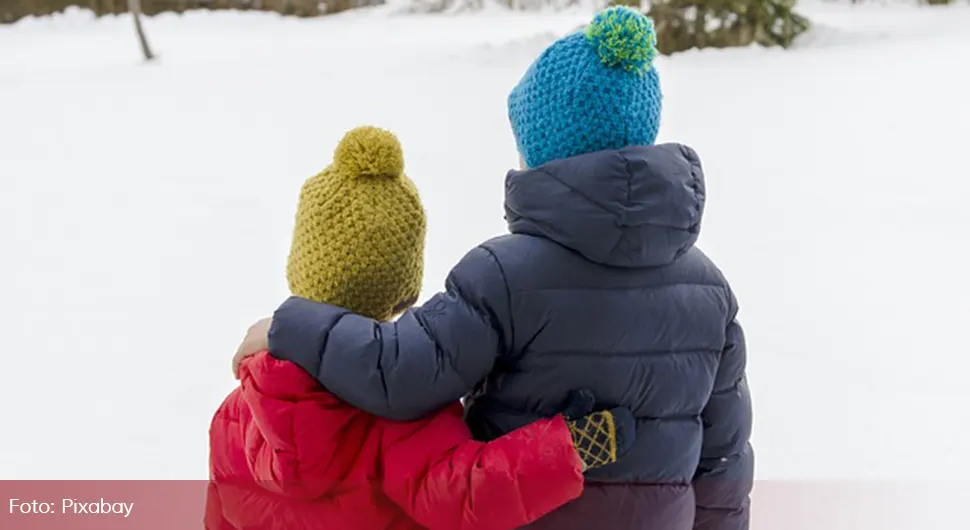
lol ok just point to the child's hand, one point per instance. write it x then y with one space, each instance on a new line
600 437
256 340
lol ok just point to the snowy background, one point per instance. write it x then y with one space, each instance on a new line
146 210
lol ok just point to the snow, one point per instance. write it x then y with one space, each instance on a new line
146 213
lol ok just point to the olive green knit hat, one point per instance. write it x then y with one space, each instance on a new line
360 228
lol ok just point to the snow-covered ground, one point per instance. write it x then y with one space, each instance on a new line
145 215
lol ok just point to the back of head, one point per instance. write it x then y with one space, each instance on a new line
360 230
590 91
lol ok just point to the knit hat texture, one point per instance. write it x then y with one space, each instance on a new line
590 91
360 230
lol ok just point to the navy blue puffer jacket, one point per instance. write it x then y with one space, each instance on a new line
598 286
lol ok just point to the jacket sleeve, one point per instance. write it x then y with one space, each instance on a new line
445 483
725 475
430 357
299 427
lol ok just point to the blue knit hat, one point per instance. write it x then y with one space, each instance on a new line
590 91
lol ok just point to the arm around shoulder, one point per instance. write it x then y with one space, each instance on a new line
431 356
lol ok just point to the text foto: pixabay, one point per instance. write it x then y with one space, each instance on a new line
71 506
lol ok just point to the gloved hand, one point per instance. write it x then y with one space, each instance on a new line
600 437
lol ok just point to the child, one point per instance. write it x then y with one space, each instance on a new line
599 285
288 455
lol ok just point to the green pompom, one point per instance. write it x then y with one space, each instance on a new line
623 38
369 152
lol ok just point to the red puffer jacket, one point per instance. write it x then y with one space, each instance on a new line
286 454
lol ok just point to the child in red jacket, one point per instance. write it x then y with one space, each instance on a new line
286 454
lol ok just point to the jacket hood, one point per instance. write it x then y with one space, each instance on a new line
634 207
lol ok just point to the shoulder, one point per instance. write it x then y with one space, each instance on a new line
231 410
512 263
264 374
521 255
701 268
481 272
696 267
506 247
477 261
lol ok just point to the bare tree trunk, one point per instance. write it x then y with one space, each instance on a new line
134 6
